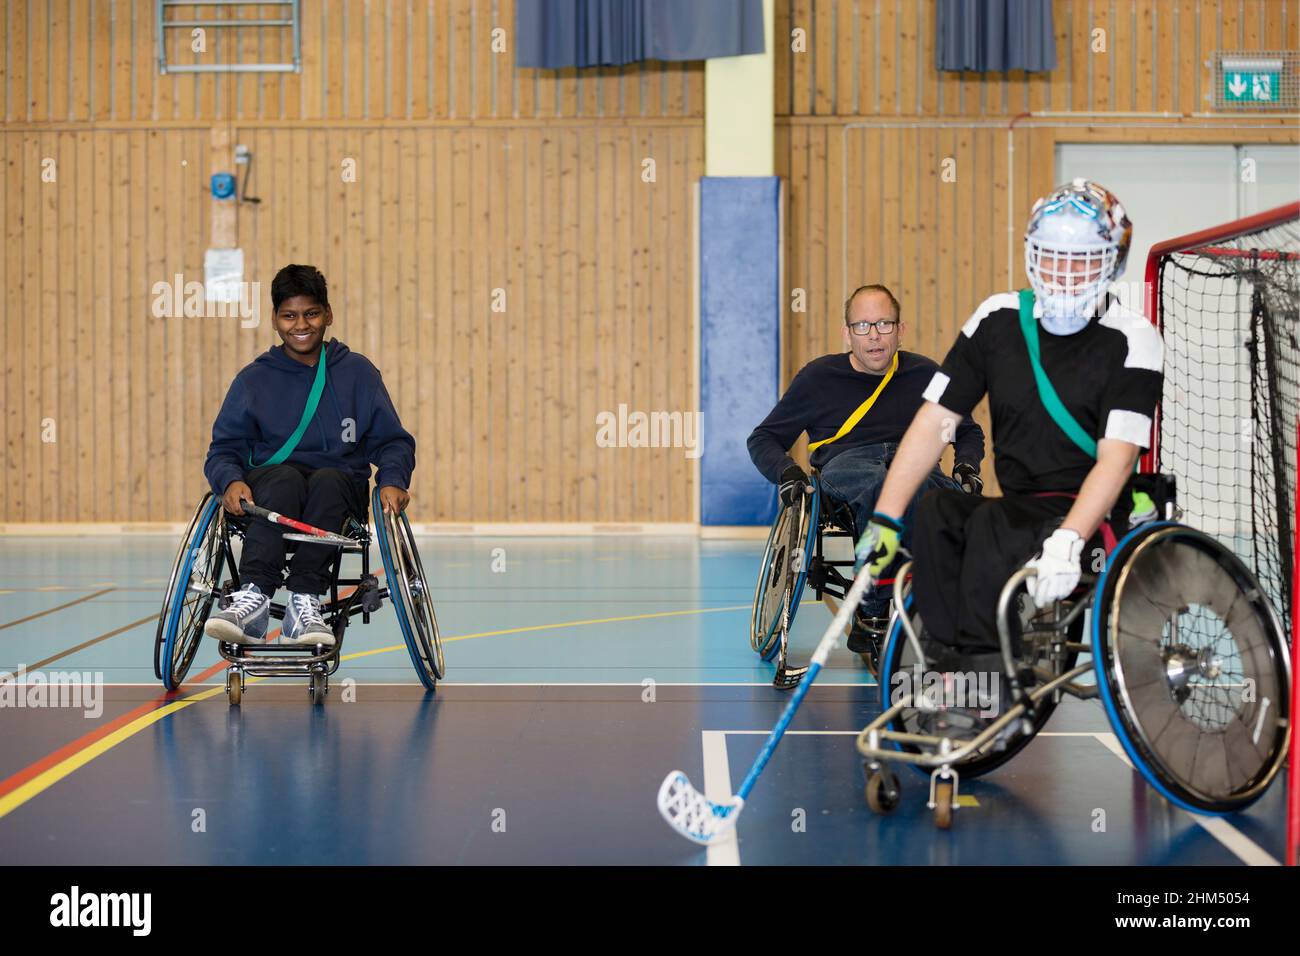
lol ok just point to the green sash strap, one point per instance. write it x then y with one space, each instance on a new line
308 413
1046 392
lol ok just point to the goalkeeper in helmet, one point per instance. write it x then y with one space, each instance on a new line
1073 379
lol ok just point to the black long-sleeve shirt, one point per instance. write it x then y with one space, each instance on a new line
827 391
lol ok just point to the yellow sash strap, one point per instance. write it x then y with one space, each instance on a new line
860 411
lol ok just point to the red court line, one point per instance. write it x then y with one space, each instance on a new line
9 784
67 750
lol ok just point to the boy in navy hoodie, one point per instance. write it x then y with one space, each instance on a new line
321 479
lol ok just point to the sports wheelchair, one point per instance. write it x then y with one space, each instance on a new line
195 584
795 557
1190 663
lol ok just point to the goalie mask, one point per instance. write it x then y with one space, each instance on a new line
1075 247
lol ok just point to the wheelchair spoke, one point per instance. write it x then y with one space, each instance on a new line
1195 657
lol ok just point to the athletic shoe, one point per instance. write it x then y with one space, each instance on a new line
865 638
244 618
967 719
303 623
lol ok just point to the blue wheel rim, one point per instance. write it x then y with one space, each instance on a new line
894 642
1107 690
182 585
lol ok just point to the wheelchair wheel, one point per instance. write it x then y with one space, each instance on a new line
782 573
409 589
190 592
1192 668
898 670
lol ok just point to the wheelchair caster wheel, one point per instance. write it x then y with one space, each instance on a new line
234 687
318 688
883 791
943 804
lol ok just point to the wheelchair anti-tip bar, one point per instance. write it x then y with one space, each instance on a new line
326 537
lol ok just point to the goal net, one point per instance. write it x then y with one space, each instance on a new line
1227 301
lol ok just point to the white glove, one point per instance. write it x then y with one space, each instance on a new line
1056 566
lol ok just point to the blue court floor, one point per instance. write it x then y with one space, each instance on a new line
580 671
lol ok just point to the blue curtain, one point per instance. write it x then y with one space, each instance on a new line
995 35
557 33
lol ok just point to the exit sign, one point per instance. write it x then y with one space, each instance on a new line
1251 82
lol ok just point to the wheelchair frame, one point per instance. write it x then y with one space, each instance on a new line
316 662
821 574
176 645
880 745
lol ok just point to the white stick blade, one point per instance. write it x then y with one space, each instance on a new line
692 814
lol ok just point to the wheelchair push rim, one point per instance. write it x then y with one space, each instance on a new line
186 606
777 581
1196 681
409 589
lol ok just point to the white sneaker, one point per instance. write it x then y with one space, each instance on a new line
303 623
243 620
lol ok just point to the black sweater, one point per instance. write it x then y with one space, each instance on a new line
825 393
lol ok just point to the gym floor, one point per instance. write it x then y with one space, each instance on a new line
580 671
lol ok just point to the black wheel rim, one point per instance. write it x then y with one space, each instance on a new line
415 595
774 598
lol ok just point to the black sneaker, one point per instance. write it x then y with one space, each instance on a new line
952 712
865 638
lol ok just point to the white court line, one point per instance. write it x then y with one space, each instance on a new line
1240 845
717 787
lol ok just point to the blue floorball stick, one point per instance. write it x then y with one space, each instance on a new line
698 818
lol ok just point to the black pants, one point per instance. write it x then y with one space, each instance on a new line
323 497
965 548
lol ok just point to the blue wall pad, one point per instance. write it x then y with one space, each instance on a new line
740 341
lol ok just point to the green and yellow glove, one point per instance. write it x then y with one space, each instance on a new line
878 545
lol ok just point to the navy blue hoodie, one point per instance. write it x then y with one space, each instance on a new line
265 404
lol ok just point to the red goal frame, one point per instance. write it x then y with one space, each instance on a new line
1204 243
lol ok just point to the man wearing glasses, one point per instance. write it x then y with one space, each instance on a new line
853 457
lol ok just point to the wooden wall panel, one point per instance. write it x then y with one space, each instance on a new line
591 260
361 60
874 196
884 50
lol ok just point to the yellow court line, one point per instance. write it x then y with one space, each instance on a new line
551 627
48 778
43 781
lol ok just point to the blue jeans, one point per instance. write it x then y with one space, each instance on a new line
856 477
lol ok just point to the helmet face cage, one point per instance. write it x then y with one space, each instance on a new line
1071 272
1069 279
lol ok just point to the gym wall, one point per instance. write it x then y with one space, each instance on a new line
474 176
471 177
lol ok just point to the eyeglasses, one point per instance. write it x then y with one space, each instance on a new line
883 326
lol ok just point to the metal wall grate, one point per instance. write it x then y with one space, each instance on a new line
286 17
1256 80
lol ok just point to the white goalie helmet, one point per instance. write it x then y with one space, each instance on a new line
1075 247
